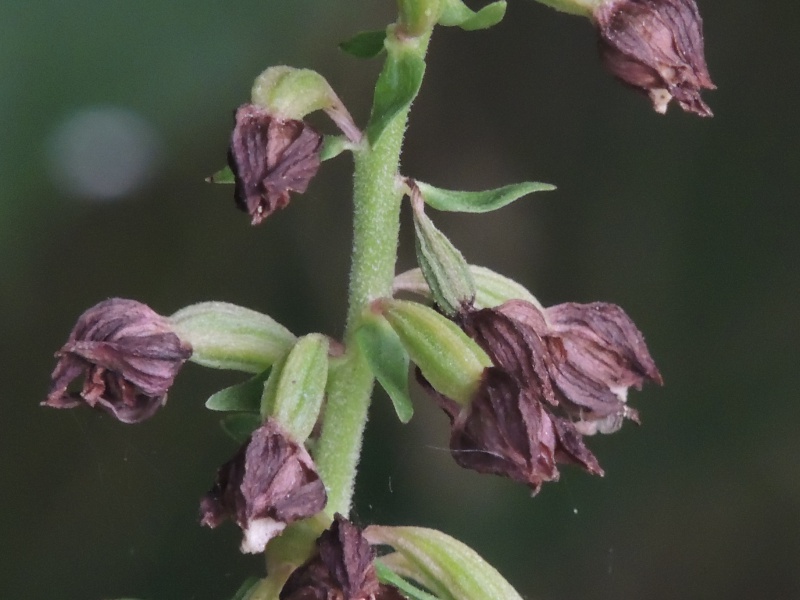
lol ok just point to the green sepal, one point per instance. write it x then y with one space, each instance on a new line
242 397
397 86
295 388
478 202
292 93
458 14
491 288
449 360
449 568
386 575
443 266
224 175
365 44
583 8
388 361
226 336
246 589
240 425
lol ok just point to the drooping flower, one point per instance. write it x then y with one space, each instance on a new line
341 569
270 157
270 483
656 46
128 356
597 354
558 374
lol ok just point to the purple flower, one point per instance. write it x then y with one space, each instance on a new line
341 569
557 375
128 356
656 46
270 483
270 157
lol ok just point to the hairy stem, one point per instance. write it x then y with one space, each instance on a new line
376 224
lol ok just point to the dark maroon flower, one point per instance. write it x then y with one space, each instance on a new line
270 157
597 354
128 356
656 46
558 374
341 569
270 483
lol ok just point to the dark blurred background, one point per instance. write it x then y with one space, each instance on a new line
112 114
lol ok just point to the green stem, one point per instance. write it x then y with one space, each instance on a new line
376 225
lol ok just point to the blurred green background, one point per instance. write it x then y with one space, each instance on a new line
111 115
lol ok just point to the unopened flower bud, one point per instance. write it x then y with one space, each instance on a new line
270 157
445 566
128 356
270 483
448 359
656 46
227 336
341 569
446 272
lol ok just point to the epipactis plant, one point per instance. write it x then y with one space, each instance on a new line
522 384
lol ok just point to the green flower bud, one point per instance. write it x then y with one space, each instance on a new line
226 336
447 567
491 288
447 357
445 270
295 388
583 8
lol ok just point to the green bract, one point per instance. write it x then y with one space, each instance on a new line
295 388
333 146
478 202
365 44
239 426
447 567
458 14
491 289
242 397
386 575
246 589
224 175
397 86
445 270
388 361
226 336
449 360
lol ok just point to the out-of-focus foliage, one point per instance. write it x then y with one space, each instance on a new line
689 224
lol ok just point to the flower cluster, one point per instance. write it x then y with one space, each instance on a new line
559 374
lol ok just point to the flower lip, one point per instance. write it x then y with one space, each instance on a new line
128 355
656 46
270 157
270 483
